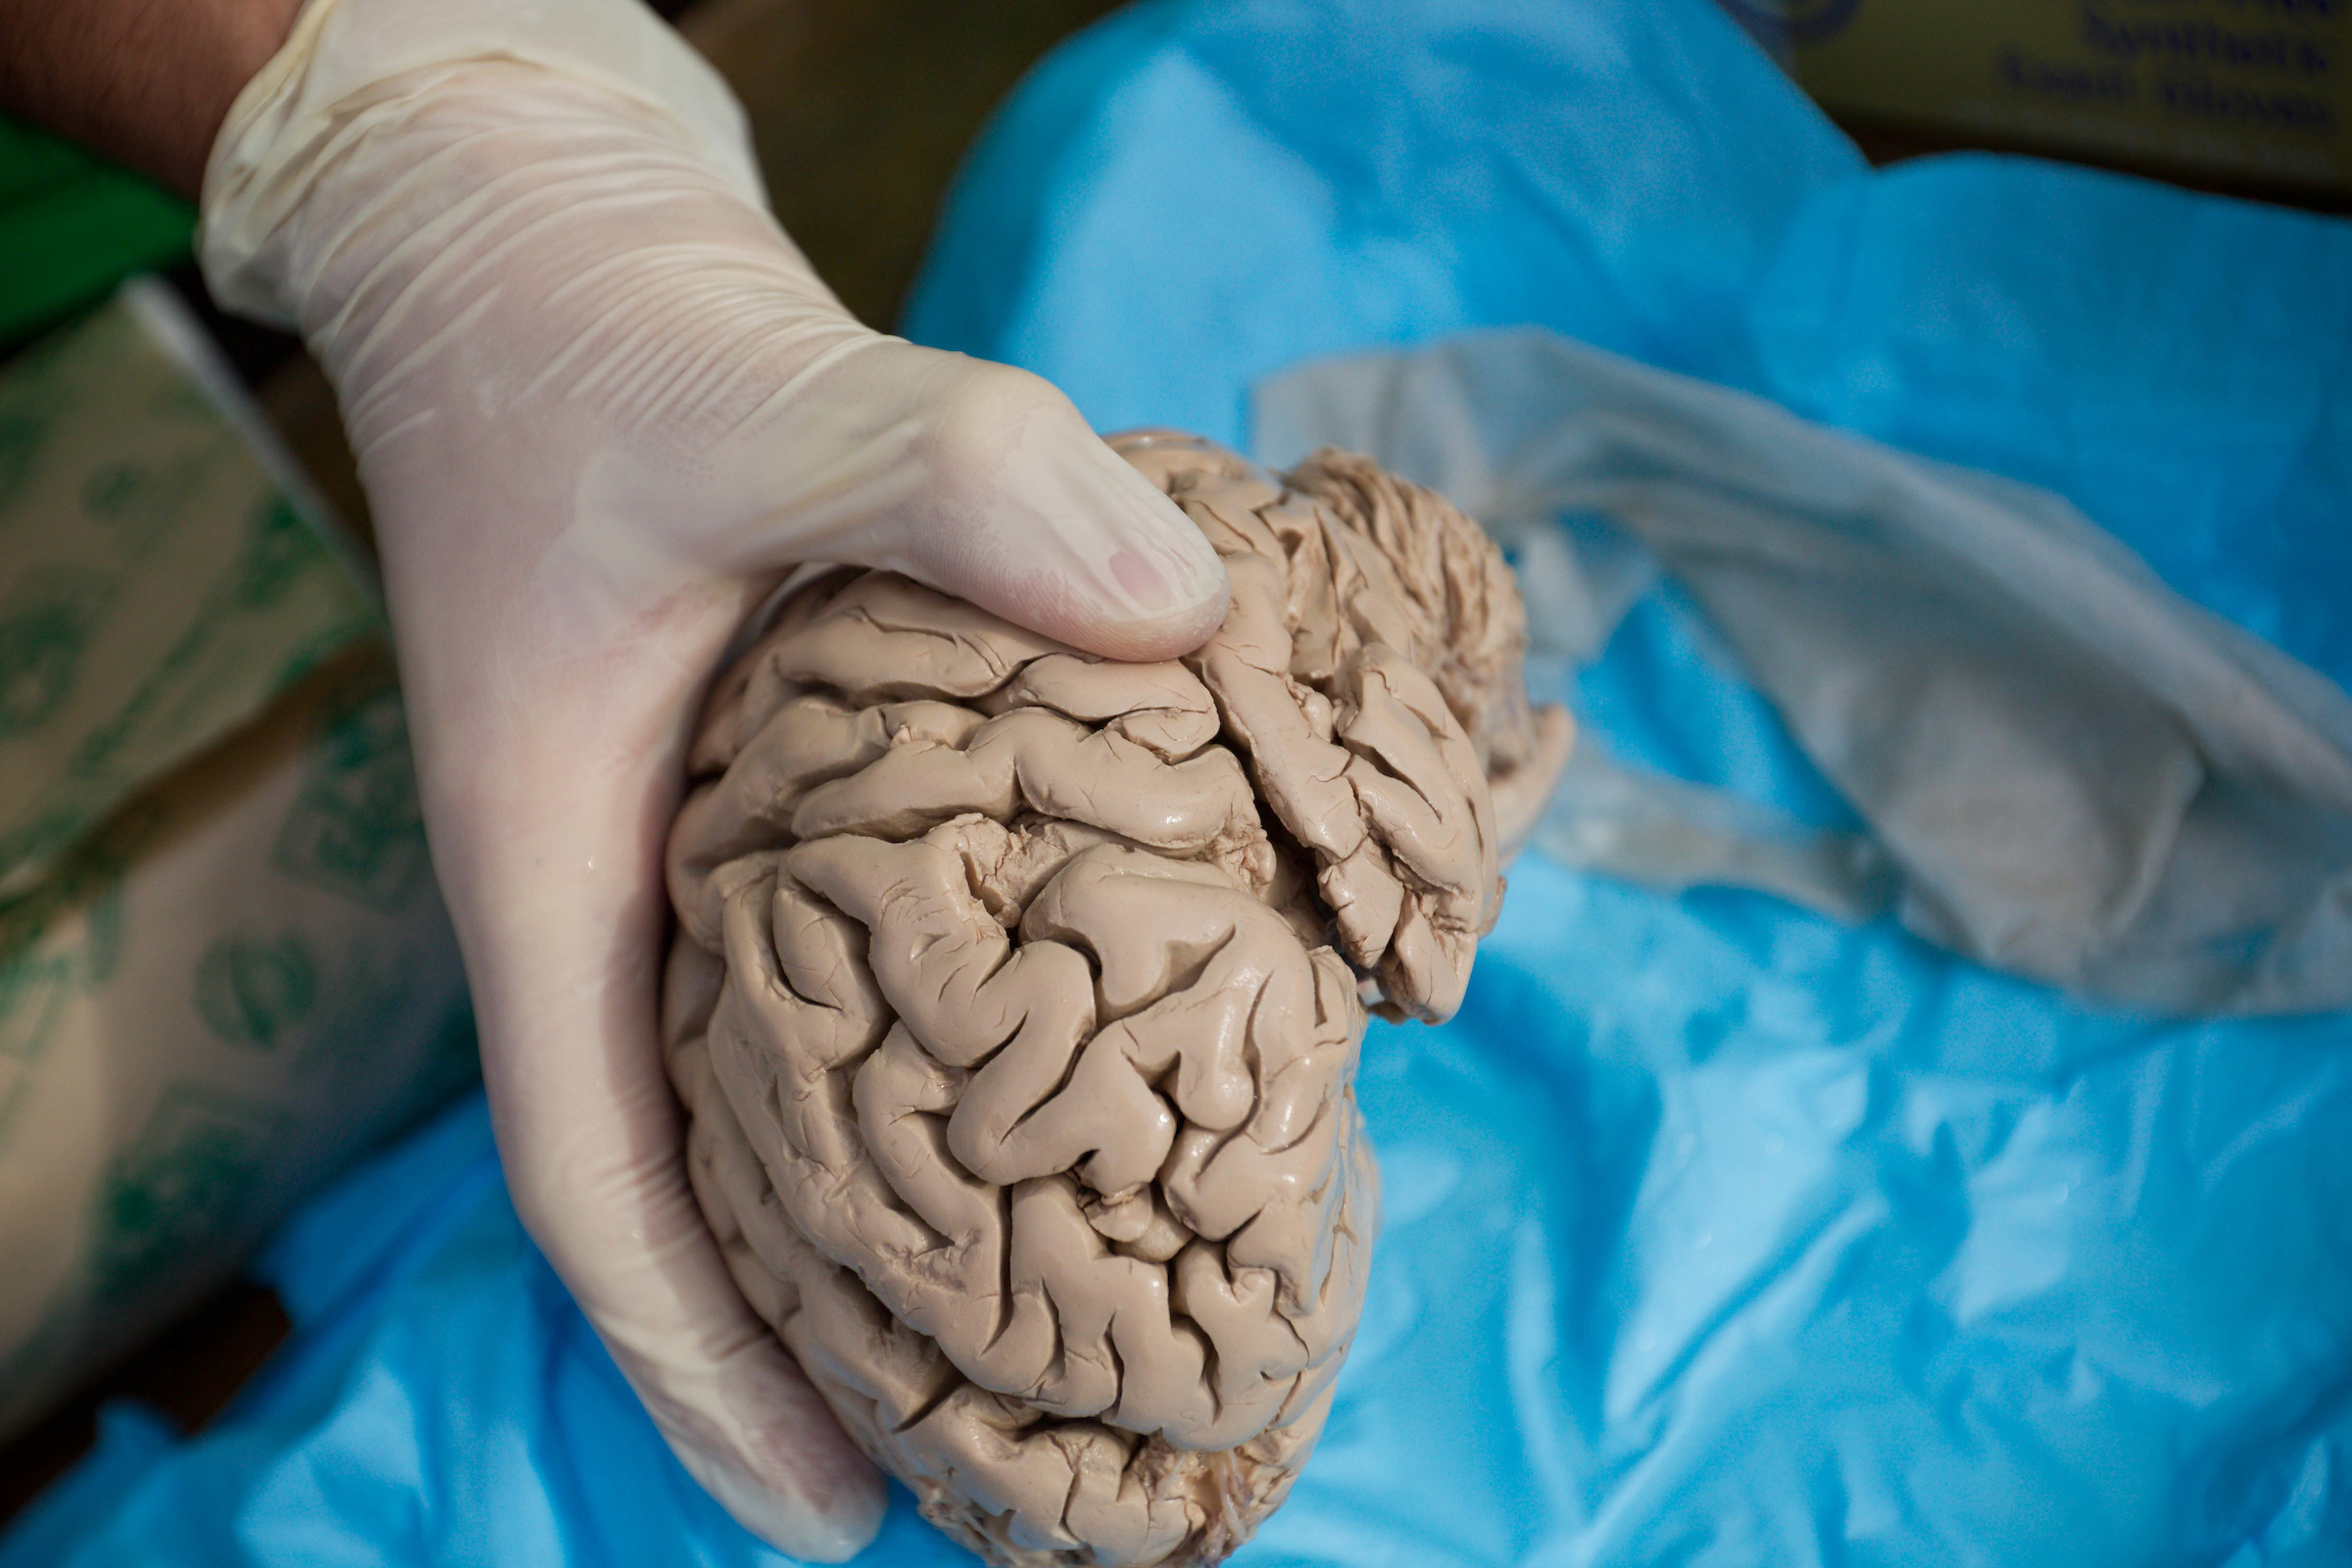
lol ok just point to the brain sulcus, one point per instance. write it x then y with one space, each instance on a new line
1016 995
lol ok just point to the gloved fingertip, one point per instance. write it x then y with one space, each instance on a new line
1148 640
1177 576
1078 615
833 1528
1155 588
1016 504
754 1431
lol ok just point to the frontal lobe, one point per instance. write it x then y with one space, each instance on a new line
1016 1001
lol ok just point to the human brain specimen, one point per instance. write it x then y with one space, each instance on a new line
1017 995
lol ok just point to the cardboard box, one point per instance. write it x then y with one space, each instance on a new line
224 966
2236 93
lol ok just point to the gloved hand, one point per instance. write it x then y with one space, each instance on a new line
599 405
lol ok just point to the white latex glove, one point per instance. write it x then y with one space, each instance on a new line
601 403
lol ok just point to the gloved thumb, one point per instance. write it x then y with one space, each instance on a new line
983 481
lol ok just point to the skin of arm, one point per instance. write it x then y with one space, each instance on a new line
144 83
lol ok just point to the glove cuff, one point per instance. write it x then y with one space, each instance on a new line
306 108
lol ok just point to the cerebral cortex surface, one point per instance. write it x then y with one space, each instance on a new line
1018 996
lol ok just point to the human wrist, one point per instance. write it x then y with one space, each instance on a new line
145 84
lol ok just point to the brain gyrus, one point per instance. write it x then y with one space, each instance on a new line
1016 997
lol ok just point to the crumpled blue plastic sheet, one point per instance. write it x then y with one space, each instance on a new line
1714 1232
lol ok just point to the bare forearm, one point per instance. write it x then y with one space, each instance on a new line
146 83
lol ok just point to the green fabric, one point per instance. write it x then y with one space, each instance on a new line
72 227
